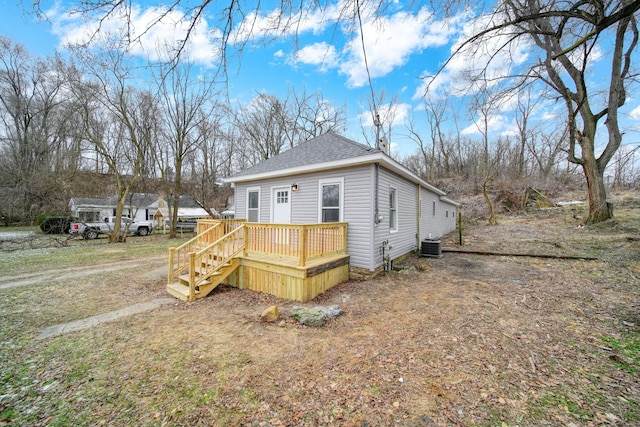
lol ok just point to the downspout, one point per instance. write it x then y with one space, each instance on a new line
376 211
376 182
419 218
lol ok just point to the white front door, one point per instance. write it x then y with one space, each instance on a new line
281 205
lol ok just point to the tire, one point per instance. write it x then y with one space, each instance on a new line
90 234
143 231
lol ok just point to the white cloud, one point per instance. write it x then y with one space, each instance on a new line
394 113
496 124
635 113
390 41
489 57
257 26
320 54
156 33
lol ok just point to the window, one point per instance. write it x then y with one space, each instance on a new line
331 200
253 204
282 196
393 210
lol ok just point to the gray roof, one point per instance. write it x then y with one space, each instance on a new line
326 151
87 201
136 199
327 147
142 200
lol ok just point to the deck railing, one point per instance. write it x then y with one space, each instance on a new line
228 225
295 244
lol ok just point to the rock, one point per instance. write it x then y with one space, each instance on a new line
270 314
331 311
308 316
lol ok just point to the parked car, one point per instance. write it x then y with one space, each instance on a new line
186 224
92 230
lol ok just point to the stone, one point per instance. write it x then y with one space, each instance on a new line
330 311
308 316
270 314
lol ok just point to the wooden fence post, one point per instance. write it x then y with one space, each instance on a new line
192 276
303 245
172 256
460 229
344 237
245 237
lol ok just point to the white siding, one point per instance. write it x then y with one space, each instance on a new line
358 212
444 220
405 239
357 209
364 236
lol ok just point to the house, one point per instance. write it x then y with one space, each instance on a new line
307 219
189 211
388 209
139 206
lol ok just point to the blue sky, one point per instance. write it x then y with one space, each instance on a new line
324 60
400 48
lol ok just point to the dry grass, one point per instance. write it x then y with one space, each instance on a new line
462 340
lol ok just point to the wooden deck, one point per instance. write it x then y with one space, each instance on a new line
289 261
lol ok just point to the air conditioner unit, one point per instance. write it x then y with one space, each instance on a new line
431 248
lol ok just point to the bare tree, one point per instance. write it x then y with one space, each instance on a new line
118 121
264 127
312 115
568 35
186 100
441 151
212 160
422 163
35 137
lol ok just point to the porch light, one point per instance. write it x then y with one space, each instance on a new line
294 187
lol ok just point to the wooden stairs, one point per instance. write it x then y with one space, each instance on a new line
197 267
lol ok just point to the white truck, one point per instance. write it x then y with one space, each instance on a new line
91 230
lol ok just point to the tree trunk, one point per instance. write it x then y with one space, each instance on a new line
492 214
599 209
115 235
177 190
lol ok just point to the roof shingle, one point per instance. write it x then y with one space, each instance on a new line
327 147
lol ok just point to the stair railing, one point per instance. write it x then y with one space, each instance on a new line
179 259
213 257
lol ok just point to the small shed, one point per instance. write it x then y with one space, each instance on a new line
185 215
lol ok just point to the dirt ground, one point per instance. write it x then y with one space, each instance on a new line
465 340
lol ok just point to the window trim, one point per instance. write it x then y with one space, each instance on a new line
330 181
393 192
252 190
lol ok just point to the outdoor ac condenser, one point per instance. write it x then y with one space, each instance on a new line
431 248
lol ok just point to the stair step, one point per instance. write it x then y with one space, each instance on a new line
212 261
184 280
201 270
179 291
